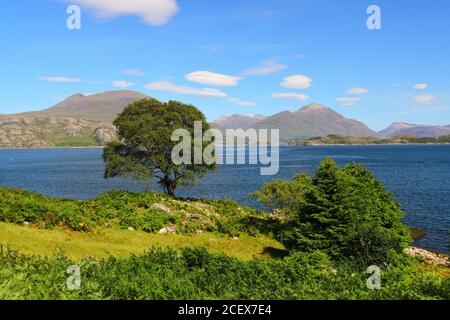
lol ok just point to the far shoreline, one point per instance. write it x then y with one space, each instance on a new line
281 146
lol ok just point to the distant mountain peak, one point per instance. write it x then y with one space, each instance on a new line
103 106
75 96
312 120
314 107
238 121
403 128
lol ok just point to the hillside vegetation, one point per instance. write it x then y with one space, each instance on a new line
194 273
324 233
149 212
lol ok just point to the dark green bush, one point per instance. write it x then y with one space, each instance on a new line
344 212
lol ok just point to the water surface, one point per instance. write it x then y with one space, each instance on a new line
418 176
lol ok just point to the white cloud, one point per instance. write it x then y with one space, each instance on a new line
424 98
61 79
212 78
133 72
122 84
242 103
153 12
421 86
357 90
267 67
347 101
171 87
297 82
289 95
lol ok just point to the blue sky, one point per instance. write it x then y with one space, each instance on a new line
234 56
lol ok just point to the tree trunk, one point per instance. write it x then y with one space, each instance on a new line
170 186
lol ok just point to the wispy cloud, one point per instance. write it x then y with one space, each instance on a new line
242 103
200 92
267 67
122 84
290 95
171 87
212 78
61 79
423 98
357 90
297 82
152 12
420 86
348 101
133 72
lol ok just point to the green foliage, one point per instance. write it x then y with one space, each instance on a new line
144 149
194 273
137 210
344 212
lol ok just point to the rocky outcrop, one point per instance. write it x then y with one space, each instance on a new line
42 132
430 257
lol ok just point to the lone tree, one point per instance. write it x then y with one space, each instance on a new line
144 149
345 212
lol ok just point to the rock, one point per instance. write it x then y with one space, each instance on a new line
105 134
198 231
196 217
26 223
331 270
130 228
234 238
168 230
161 207
430 257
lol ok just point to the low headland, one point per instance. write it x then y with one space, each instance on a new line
336 140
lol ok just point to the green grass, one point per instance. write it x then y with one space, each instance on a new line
120 243
149 212
200 261
194 273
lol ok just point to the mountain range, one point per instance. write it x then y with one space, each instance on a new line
86 120
402 128
311 121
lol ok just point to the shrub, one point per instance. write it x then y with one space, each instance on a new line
344 212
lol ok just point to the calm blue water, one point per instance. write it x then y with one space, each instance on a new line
418 175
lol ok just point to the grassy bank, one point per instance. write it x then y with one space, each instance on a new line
197 274
151 246
120 243
148 212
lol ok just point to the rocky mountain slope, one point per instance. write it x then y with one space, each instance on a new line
79 120
402 128
312 121
40 132
102 107
237 121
